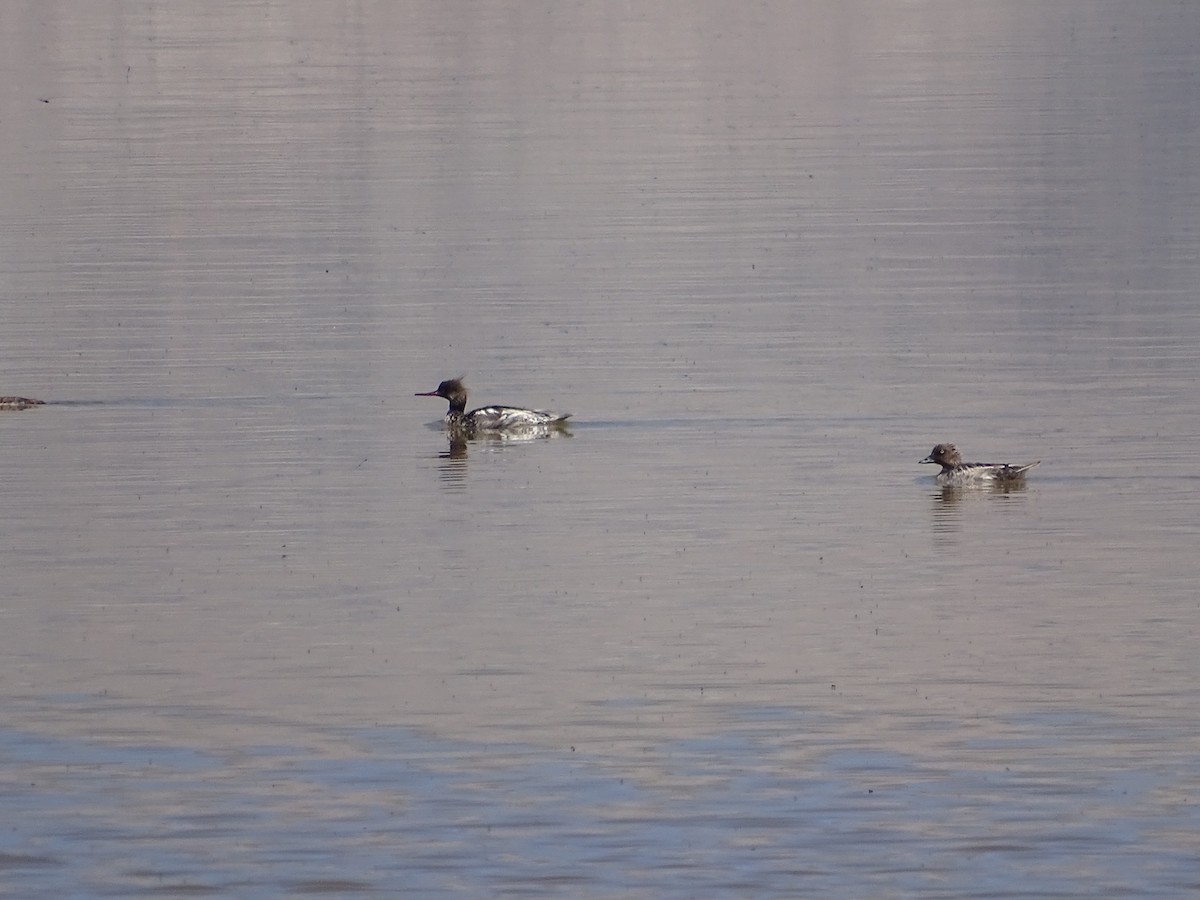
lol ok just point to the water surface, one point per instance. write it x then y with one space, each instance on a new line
266 633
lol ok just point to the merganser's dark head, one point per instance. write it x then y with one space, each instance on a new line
943 455
451 390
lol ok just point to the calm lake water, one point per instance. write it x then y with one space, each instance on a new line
266 632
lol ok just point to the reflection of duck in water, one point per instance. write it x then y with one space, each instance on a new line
19 403
461 438
956 473
487 420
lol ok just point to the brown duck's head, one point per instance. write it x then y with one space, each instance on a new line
943 455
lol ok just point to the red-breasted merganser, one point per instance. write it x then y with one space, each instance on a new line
956 472
489 418
19 403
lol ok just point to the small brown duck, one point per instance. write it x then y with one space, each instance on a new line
955 472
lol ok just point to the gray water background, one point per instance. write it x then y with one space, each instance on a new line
266 633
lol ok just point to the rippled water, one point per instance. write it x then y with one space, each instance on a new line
267 632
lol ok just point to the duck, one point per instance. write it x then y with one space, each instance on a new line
956 472
19 403
489 418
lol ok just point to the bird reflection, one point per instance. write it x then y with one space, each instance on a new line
462 441
948 501
453 468
458 448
